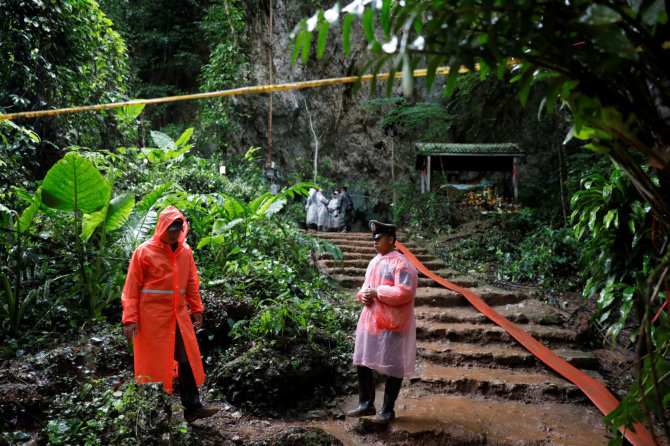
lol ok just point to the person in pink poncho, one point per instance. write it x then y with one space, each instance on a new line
386 331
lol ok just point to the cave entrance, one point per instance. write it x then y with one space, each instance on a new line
449 167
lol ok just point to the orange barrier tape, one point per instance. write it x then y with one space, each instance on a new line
595 391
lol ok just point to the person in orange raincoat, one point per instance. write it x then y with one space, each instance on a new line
386 331
161 288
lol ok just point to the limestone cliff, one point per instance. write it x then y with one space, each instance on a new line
353 147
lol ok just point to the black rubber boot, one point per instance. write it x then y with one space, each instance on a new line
190 396
391 390
366 393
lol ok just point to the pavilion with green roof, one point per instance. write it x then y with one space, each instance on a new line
450 159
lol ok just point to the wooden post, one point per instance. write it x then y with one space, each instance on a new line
515 181
428 174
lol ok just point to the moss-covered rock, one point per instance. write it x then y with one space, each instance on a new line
274 379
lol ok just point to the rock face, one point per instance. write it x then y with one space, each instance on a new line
353 147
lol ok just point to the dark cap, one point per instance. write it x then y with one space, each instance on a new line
378 229
177 225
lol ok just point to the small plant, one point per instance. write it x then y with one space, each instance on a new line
125 415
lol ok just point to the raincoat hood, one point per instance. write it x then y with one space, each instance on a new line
166 218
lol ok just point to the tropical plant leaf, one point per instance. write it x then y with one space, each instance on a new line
305 49
140 228
28 214
258 201
346 32
74 182
184 138
163 141
234 208
321 41
152 197
5 216
90 222
128 112
119 210
271 206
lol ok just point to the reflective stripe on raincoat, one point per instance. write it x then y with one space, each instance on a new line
386 331
158 287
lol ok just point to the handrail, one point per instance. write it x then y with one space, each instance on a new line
594 390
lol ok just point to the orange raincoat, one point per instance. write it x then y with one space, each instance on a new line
159 285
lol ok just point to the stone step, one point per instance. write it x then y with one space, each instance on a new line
360 272
367 257
496 355
510 384
529 310
353 236
356 281
484 333
342 235
368 248
432 265
443 297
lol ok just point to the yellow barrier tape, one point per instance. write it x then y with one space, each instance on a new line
232 92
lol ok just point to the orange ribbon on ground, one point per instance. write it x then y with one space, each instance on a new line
594 390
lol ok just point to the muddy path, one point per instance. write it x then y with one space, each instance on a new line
474 384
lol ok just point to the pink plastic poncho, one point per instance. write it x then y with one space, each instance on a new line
386 332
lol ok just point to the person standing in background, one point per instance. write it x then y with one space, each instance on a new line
346 208
334 214
322 217
311 210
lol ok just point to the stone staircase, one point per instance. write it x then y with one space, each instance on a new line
474 384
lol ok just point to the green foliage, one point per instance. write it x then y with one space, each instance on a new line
618 254
165 42
225 68
622 267
429 119
434 216
86 66
547 256
520 247
651 390
127 415
17 156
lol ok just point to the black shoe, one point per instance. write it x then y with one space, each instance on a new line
383 417
200 412
363 410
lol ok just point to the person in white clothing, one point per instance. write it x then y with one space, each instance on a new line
334 214
322 217
311 209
